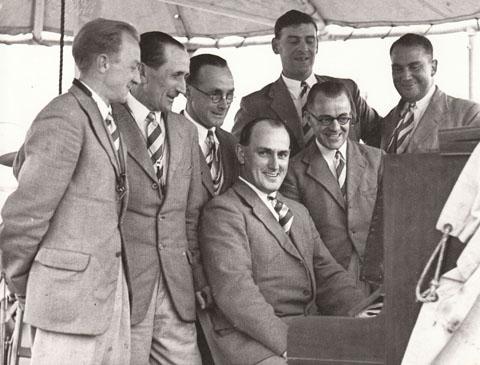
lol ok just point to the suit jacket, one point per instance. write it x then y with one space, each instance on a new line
229 163
443 112
60 240
274 101
343 225
260 276
161 227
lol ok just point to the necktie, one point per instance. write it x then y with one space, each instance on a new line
340 172
112 129
285 216
399 141
156 145
214 162
307 130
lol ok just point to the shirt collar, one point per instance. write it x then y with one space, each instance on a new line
263 196
102 106
202 131
423 102
138 110
330 154
294 86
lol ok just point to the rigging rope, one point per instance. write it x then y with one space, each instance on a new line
62 36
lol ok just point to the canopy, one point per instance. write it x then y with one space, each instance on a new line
216 19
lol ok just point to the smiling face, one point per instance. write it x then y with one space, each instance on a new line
412 71
297 46
211 80
264 160
121 70
161 86
334 135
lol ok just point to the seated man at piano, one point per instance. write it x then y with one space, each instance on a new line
264 258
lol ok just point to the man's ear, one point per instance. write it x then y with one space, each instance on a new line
240 154
102 63
434 67
275 45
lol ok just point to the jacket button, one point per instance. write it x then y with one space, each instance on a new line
155 186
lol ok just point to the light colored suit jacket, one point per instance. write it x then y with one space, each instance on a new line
343 225
260 276
60 240
443 112
274 101
229 163
161 229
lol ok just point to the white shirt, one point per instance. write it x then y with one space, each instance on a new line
329 156
263 197
102 106
421 107
202 134
294 88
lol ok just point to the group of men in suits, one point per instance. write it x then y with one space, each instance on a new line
130 221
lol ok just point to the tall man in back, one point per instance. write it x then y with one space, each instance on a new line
412 126
60 241
264 259
337 179
296 41
161 219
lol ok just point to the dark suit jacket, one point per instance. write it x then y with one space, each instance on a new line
342 225
60 240
161 229
260 276
274 101
444 111
229 163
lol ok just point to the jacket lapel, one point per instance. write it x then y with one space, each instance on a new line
229 158
96 121
205 171
136 144
265 216
283 105
318 170
355 169
175 147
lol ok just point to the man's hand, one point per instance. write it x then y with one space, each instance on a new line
204 297
372 310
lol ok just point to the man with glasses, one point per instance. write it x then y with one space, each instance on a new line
209 96
336 178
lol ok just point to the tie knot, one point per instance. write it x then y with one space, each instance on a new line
151 118
109 119
408 107
338 155
303 89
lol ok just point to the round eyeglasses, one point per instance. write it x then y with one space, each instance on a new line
327 120
216 97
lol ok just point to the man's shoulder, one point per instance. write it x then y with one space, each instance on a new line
179 122
372 152
259 95
226 137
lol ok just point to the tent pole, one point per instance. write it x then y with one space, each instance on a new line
473 59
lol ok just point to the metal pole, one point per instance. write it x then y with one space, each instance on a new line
473 74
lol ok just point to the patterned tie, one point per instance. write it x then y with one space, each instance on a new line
307 130
213 159
156 145
340 171
285 216
112 129
399 141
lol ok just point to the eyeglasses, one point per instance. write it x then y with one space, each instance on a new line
216 97
326 120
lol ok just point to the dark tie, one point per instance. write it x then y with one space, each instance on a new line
112 129
399 141
340 171
213 160
285 216
156 145
307 130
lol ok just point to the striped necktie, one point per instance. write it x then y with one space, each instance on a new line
340 172
213 159
112 129
306 128
156 145
285 216
400 138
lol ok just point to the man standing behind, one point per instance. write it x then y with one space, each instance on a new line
209 95
296 41
412 126
264 258
161 220
336 178
60 241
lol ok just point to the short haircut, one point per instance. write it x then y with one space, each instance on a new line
99 36
293 17
413 40
207 59
246 133
330 89
152 48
